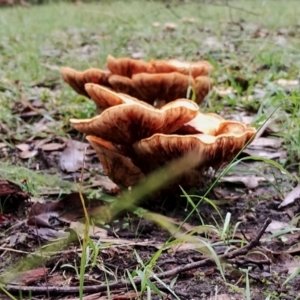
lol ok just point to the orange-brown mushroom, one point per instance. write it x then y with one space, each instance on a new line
212 124
125 66
194 69
202 86
202 123
128 123
211 151
105 97
122 84
77 79
170 86
161 87
147 138
156 81
128 67
116 166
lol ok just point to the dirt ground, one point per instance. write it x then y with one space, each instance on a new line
269 263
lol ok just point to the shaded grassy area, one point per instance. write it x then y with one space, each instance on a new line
83 35
35 42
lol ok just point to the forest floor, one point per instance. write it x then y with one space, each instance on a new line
235 237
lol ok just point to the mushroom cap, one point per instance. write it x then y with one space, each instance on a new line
128 67
122 84
163 86
117 167
127 123
211 151
170 86
203 123
77 79
203 85
154 81
194 69
125 66
212 124
105 97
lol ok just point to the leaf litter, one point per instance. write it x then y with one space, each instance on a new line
252 203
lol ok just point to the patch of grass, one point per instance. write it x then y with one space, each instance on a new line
35 182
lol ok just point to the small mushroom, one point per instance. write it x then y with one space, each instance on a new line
127 123
116 166
77 79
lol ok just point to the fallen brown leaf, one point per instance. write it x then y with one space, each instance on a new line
23 147
52 146
28 154
67 209
293 250
107 185
251 182
289 262
262 142
266 125
11 195
276 226
93 230
8 188
291 196
71 158
6 219
31 276
48 234
266 154
77 144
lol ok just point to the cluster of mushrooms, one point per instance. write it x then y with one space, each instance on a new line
144 120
